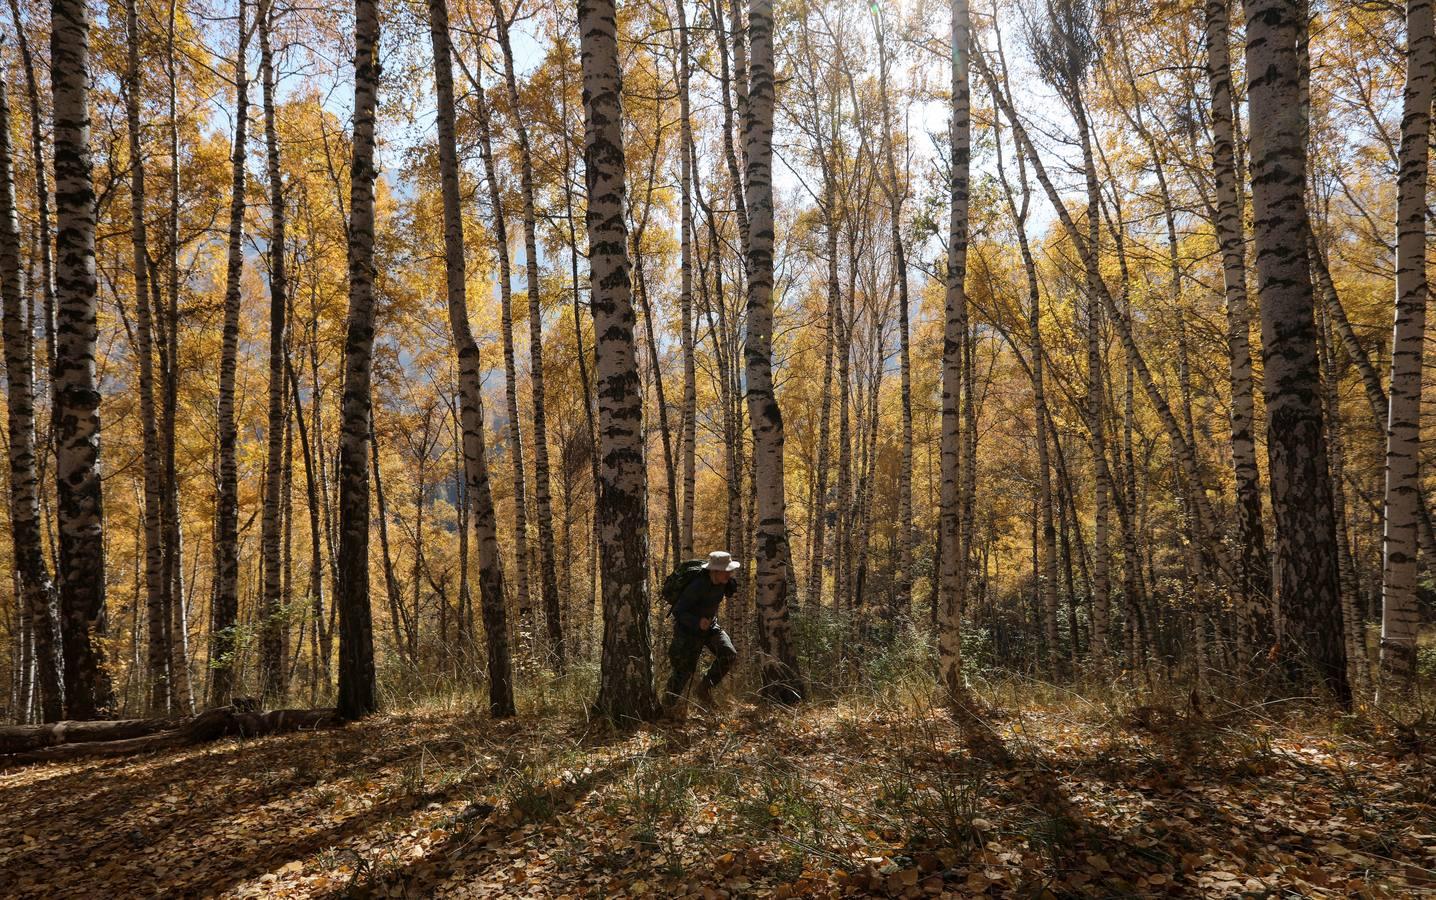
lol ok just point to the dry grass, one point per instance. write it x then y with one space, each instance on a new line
1095 795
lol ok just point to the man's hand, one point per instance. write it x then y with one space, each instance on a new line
704 624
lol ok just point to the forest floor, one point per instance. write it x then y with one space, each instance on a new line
1076 798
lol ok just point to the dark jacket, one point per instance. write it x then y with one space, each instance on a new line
700 600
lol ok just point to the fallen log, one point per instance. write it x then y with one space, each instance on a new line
209 725
20 738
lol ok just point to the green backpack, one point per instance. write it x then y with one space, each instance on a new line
678 580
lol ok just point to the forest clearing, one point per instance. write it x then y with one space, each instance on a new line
872 796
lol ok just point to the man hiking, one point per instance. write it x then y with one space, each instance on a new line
695 626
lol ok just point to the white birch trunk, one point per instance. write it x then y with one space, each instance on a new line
80 509
357 691
778 662
1306 577
1400 613
950 599
625 690
33 574
273 631
476 471
548 577
224 616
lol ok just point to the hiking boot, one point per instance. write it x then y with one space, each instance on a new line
674 710
703 695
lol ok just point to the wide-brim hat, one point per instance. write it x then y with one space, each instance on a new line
722 561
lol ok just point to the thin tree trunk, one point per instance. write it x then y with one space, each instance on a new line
386 557
582 355
1400 612
357 690
625 690
951 599
42 188
1354 631
225 613
1253 575
156 614
689 427
180 686
33 575
817 559
842 587
1045 565
319 642
670 468
896 193
548 579
272 628
511 395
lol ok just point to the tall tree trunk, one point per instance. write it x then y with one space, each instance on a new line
224 618
511 390
273 628
1400 614
689 437
625 691
357 690
80 508
157 657
548 578
896 193
781 680
817 559
1095 399
169 353
1307 588
585 384
842 586
951 598
1253 575
26 541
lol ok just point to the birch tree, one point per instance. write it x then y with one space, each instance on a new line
950 598
781 680
1253 584
156 611
476 472
625 690
548 579
1306 578
1400 615
25 525
357 688
224 613
80 507
273 636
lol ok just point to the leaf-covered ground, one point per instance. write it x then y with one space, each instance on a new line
828 800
